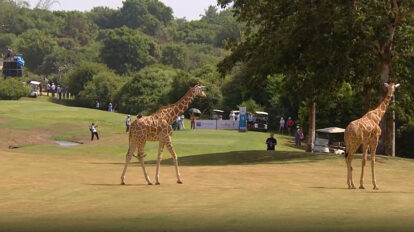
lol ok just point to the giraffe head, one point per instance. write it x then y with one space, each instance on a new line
199 91
391 86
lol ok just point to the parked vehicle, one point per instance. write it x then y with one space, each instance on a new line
260 121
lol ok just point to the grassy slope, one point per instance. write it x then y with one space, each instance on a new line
230 183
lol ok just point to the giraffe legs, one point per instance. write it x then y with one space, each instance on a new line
129 155
141 160
157 174
349 169
174 156
373 150
364 161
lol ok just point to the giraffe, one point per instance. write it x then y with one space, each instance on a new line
366 132
157 127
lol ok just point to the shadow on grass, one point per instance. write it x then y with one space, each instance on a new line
246 157
238 158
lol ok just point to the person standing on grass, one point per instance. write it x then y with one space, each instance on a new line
289 124
48 88
53 89
192 118
271 142
281 125
182 122
92 128
128 122
298 140
110 107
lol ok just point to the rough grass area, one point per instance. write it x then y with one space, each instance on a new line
230 182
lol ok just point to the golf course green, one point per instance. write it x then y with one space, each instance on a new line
230 182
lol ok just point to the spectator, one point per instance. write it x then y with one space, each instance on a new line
110 107
48 88
97 104
298 137
289 124
271 142
232 115
182 122
92 128
59 91
139 115
53 89
116 107
281 125
128 122
40 89
192 118
177 121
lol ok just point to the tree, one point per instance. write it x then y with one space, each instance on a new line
386 27
103 87
174 55
78 77
284 36
147 90
35 45
126 50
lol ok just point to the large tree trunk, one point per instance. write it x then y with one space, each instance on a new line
311 131
386 143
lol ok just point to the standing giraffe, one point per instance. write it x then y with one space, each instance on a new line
157 127
366 132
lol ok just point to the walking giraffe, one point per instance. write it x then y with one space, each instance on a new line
366 132
157 127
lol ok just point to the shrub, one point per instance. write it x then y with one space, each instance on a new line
12 89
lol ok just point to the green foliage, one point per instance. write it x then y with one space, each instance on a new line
147 90
251 106
6 40
174 55
404 141
103 87
149 15
59 61
126 50
78 77
12 89
35 45
78 26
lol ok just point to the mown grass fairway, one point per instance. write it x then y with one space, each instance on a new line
230 182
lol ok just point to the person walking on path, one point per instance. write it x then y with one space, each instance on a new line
92 128
271 143
128 122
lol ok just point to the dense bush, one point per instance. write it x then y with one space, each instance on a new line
12 89
405 145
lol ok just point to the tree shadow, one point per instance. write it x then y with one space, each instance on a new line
246 157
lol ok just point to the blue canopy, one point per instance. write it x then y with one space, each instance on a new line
19 60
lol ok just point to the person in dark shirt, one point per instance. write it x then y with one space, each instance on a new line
271 143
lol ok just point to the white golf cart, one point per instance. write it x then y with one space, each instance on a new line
34 89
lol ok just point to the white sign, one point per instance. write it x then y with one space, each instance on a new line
205 124
228 124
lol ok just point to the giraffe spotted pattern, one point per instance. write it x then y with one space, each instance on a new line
366 132
157 127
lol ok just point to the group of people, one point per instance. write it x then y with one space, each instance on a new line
179 123
289 123
109 107
52 88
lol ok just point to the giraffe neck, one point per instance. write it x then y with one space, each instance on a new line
382 107
177 109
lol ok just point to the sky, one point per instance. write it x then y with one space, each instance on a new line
190 9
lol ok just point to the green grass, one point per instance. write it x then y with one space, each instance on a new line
230 182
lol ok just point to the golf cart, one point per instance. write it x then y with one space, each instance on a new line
217 114
34 88
330 140
260 121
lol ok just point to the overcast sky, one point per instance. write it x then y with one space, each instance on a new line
190 9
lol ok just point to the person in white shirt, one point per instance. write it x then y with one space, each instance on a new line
93 131
282 125
128 122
